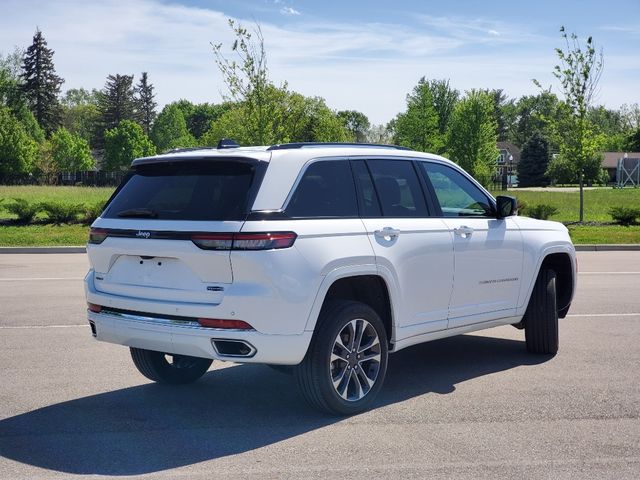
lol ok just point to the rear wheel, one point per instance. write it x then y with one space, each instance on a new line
541 318
167 368
346 363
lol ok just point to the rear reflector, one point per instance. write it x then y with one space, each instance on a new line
94 308
244 241
219 323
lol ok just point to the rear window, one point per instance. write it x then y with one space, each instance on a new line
185 191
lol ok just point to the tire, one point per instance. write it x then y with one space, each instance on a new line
357 379
541 318
180 370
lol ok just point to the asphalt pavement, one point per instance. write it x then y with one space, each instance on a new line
473 406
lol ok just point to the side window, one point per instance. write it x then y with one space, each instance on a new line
458 197
326 189
369 205
398 188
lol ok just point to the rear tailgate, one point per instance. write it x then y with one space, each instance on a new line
142 245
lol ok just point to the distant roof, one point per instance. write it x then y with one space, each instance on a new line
511 148
611 158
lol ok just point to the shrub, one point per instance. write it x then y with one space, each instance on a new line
624 215
92 211
23 209
62 212
541 212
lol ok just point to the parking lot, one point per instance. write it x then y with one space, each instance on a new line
473 406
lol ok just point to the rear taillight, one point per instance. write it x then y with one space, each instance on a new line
220 323
94 308
97 235
244 241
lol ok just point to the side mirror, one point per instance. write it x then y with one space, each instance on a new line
506 206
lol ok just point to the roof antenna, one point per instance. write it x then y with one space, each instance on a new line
227 143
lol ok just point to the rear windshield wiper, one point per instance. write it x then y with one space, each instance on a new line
138 213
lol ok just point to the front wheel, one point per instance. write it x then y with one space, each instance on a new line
167 368
541 318
346 363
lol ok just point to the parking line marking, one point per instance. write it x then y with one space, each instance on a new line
604 315
15 327
30 279
608 273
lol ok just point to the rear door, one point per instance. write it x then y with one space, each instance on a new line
152 228
488 251
413 250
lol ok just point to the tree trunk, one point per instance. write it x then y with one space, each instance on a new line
581 197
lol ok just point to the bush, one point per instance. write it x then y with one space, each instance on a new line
62 212
92 211
541 212
624 215
23 209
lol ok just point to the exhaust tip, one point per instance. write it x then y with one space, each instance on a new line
233 348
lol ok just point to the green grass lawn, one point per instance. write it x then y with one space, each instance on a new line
37 193
596 202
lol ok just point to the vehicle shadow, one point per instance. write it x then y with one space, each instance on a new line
151 428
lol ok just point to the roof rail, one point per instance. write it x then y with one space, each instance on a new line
187 149
290 146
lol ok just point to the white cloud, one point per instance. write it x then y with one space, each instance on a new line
365 66
494 33
289 11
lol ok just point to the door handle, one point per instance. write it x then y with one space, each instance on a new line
387 232
463 231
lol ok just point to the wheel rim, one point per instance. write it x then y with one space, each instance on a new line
355 360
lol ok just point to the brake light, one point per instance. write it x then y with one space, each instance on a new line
97 235
220 323
94 308
244 241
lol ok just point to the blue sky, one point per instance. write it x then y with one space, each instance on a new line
363 55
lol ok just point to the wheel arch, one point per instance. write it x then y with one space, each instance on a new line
360 285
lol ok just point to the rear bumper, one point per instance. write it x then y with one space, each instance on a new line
185 338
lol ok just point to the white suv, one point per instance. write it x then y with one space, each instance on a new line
320 257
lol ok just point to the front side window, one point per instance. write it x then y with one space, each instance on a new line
326 189
398 188
457 195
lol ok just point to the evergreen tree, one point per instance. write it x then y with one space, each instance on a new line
534 162
116 103
41 85
145 103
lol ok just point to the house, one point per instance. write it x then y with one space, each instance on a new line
508 162
623 167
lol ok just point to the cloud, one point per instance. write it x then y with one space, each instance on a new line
289 11
494 33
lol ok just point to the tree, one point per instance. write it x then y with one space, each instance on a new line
10 82
124 143
41 85
417 127
115 103
532 114
203 115
170 130
578 72
356 123
80 113
533 162
632 142
500 105
18 151
444 102
146 105
472 137
70 152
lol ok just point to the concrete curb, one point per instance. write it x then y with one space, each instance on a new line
622 247
79 249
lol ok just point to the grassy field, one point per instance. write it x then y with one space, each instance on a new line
597 204
88 195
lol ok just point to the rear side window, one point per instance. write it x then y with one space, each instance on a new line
326 189
398 188
185 191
